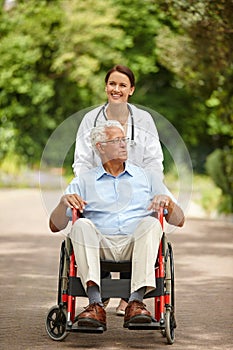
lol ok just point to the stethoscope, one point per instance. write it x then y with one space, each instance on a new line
102 110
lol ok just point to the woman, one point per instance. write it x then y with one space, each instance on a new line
144 149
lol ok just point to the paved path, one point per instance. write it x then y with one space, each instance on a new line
29 256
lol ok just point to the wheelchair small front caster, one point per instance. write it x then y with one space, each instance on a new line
169 326
55 323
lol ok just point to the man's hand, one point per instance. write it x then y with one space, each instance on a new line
73 201
175 215
161 201
58 219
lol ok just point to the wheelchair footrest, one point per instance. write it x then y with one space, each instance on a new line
76 328
144 326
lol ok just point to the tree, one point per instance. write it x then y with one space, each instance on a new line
201 54
28 41
51 67
54 56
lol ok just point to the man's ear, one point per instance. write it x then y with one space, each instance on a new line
100 148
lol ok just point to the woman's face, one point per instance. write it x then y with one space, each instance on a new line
118 88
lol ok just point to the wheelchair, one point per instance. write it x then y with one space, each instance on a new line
61 319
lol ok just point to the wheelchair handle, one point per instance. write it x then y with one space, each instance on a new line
75 215
161 213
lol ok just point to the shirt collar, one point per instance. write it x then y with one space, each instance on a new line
100 171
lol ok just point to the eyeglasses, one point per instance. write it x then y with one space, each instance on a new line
117 140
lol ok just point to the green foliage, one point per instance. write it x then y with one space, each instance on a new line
89 44
200 54
206 194
55 54
203 49
219 165
27 44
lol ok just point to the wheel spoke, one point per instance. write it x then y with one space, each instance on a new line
56 323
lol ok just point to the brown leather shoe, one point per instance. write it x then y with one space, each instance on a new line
94 316
136 312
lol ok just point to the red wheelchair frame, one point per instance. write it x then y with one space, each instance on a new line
61 319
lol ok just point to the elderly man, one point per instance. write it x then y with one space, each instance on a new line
117 200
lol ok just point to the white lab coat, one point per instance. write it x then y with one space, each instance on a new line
145 151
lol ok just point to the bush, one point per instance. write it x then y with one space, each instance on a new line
219 165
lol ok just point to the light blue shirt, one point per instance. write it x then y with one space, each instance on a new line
116 204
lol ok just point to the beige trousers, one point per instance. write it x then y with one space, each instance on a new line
90 246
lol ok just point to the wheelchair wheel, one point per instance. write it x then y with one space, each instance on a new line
61 273
172 275
56 323
170 323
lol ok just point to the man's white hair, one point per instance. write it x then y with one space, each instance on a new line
98 133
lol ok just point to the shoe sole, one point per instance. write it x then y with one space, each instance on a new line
138 319
89 322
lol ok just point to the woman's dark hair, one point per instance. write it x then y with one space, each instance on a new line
123 70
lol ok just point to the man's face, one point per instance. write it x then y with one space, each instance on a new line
115 147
